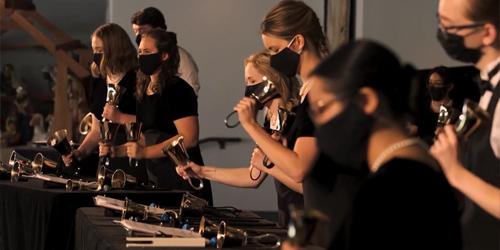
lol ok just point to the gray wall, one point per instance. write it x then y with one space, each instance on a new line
219 34
408 27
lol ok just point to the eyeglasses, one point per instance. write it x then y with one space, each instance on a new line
456 28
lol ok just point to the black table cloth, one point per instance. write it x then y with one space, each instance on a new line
95 231
34 216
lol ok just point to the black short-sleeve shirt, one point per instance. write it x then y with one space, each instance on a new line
159 111
302 126
127 102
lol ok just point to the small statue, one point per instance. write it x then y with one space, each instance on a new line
39 132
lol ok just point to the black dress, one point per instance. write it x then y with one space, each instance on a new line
127 105
404 205
157 113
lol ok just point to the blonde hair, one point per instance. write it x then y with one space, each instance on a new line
288 88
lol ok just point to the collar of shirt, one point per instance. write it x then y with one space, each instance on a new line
484 73
304 89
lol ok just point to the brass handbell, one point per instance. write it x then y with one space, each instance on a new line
230 236
176 150
133 130
113 95
192 205
86 124
60 142
41 162
105 137
144 213
261 96
278 124
117 179
443 117
471 118
19 166
207 228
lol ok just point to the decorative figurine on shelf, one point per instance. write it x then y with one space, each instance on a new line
39 132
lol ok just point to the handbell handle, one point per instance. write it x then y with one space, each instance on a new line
226 121
200 185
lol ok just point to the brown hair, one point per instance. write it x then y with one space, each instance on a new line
149 16
486 11
288 87
165 42
119 54
290 18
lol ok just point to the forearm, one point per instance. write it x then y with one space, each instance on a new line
126 118
288 161
480 192
89 142
285 179
236 177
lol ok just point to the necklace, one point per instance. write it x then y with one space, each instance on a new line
394 147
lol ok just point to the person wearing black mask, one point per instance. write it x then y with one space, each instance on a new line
439 86
151 18
257 66
166 106
469 31
114 63
405 202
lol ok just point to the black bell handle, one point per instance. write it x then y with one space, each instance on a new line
226 121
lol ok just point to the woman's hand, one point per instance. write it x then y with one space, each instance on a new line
135 150
445 150
189 170
69 158
246 111
257 159
112 113
105 149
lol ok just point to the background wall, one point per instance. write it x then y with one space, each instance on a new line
219 34
408 27
76 18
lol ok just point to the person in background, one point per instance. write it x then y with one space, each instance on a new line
152 18
288 191
166 106
469 31
439 85
114 63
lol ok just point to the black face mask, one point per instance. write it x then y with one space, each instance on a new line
286 62
344 139
138 39
250 89
455 47
148 64
437 93
97 58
